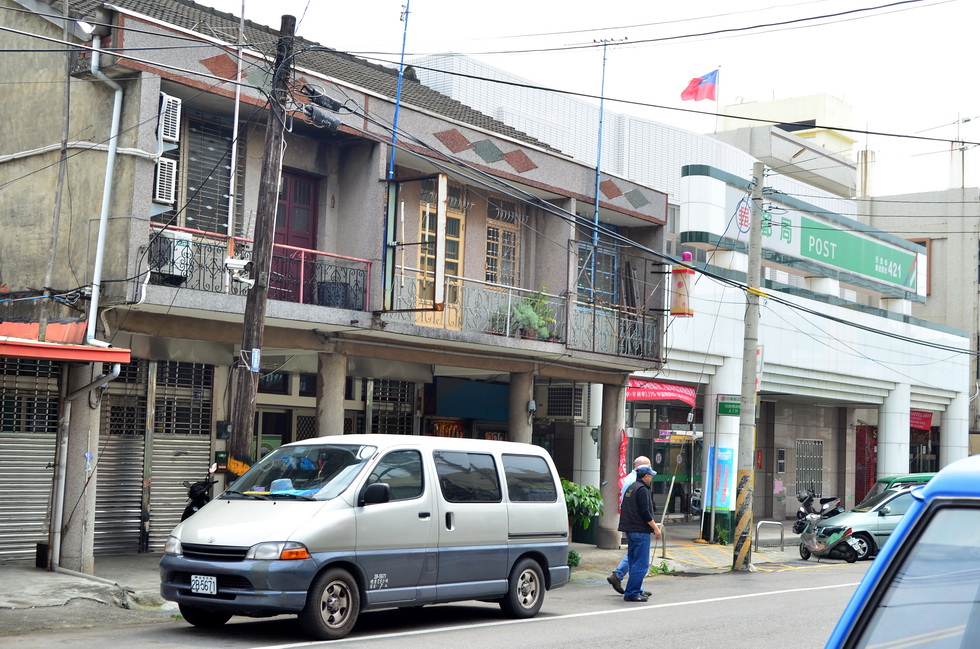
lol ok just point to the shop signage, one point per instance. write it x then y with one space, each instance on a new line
920 420
729 405
641 389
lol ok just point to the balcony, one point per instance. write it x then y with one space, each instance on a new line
194 260
472 305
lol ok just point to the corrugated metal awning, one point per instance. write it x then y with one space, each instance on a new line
35 349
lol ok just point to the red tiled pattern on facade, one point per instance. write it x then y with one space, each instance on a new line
519 161
610 190
453 140
221 65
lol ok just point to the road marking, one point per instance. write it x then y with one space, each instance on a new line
499 623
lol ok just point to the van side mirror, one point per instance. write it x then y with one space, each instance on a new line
375 493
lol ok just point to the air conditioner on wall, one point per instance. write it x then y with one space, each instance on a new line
169 118
560 402
171 256
165 182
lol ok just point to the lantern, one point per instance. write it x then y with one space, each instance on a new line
680 292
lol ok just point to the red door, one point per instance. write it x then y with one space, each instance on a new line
293 270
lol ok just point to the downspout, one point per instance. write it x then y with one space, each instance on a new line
90 339
110 166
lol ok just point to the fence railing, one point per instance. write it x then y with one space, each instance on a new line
195 260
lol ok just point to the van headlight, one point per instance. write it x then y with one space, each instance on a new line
285 550
173 547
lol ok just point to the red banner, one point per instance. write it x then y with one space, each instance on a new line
647 390
920 419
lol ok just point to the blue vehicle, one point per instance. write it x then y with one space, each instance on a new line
922 589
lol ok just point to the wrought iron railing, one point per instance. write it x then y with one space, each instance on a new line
620 331
196 260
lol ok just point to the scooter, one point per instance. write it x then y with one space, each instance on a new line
199 492
831 541
810 505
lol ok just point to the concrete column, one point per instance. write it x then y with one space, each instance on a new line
519 422
893 431
612 426
721 431
954 431
78 528
331 382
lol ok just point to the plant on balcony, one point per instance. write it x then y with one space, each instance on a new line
530 318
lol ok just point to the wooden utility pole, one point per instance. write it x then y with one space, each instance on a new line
246 368
742 557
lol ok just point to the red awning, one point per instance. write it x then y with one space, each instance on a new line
33 349
647 390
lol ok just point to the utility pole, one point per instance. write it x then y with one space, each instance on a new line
742 557
246 369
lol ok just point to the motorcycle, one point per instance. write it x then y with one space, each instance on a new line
810 505
831 541
199 492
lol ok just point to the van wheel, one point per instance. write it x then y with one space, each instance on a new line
332 606
525 590
202 617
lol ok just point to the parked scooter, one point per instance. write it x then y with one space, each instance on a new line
831 541
199 492
811 505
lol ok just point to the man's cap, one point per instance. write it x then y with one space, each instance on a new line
644 470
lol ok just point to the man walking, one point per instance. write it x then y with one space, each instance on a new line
623 569
637 521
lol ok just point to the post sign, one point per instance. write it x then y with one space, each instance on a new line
729 405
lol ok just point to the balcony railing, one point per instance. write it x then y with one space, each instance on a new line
195 260
472 305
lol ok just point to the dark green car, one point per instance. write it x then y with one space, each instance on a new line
896 481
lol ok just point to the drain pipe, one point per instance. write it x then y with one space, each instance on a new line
106 192
58 508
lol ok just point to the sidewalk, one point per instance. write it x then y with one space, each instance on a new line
133 581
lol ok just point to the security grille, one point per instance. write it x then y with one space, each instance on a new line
183 403
305 427
809 465
394 410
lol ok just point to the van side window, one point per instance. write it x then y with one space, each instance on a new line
402 471
529 479
467 477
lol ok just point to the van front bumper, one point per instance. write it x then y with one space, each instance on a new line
251 588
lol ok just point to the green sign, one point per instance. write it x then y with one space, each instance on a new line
850 251
729 405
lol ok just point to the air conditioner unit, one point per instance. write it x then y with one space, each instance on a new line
560 402
172 256
165 185
169 118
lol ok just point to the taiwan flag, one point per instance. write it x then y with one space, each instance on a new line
701 87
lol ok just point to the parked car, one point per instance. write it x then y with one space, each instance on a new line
921 590
896 481
873 521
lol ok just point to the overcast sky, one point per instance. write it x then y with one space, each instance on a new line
907 68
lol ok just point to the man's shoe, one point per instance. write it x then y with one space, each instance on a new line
636 598
647 593
616 583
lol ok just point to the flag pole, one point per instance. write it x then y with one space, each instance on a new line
717 98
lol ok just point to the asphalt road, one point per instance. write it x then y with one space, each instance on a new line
796 607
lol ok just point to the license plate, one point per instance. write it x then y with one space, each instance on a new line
204 585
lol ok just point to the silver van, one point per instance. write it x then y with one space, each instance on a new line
329 527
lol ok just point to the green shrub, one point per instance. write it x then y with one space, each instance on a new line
582 502
574 559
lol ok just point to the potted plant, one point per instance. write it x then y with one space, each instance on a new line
583 503
530 318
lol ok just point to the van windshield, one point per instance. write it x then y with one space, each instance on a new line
303 472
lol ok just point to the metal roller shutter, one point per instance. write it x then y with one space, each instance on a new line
28 437
175 458
26 470
119 496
